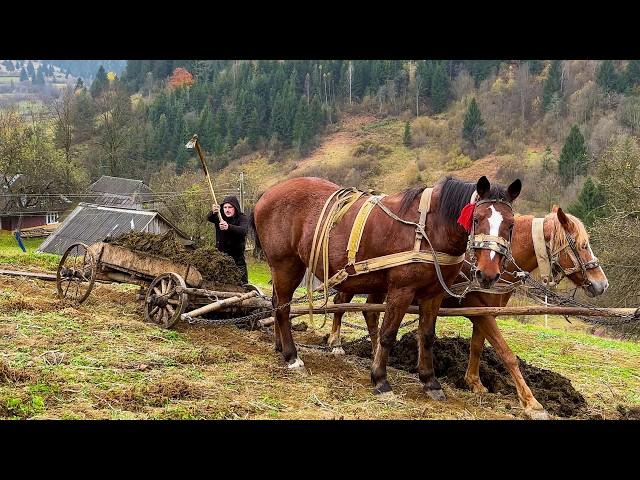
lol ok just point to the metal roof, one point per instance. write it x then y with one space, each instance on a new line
93 223
120 191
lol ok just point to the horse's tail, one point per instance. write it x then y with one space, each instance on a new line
257 249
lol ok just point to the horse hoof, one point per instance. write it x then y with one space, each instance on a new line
337 351
437 394
297 365
476 386
532 414
387 396
384 387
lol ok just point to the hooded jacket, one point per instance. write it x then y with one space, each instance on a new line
231 241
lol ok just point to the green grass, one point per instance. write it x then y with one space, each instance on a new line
7 79
259 273
11 254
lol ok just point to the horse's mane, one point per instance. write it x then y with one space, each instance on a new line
559 240
455 194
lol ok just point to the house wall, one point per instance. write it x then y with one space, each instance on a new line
11 222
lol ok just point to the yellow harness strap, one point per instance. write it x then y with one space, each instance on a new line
358 228
540 247
423 209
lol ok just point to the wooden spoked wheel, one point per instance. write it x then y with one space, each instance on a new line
163 304
76 273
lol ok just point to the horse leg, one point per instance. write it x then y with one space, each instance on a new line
334 339
286 276
472 376
398 301
426 337
372 320
532 408
276 329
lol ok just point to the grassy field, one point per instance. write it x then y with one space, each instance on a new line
8 79
101 361
11 256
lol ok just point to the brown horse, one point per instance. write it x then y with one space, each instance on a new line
285 219
558 227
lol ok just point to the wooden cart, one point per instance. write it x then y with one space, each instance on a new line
172 291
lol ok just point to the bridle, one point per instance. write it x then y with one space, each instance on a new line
559 272
488 242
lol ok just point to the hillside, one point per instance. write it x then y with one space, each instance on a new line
368 152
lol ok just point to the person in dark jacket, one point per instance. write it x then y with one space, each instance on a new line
231 232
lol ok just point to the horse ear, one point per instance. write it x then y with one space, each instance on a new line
514 190
483 186
555 208
564 221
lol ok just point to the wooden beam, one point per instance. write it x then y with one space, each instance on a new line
474 311
51 277
218 305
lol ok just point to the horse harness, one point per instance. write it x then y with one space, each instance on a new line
551 272
488 242
344 199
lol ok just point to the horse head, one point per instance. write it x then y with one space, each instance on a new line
571 255
491 229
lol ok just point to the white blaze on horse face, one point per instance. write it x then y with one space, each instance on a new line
495 220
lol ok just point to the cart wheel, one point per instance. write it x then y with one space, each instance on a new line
163 305
76 273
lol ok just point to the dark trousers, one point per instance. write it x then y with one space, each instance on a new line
242 266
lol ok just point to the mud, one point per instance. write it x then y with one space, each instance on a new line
450 358
214 265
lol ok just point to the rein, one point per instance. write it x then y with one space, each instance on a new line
578 264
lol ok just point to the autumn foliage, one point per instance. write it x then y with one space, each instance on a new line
180 77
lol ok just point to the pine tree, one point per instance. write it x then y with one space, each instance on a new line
30 70
632 73
573 158
535 67
607 77
440 92
79 84
23 75
548 161
551 88
473 125
406 137
100 83
39 77
589 204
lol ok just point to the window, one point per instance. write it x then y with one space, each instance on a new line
52 217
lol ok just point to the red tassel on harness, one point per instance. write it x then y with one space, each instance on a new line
466 216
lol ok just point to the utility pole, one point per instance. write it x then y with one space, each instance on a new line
242 191
350 74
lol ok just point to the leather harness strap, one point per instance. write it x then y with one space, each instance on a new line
358 228
423 209
540 247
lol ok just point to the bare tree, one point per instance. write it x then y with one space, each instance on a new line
114 132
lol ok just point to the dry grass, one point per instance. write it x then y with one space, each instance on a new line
100 361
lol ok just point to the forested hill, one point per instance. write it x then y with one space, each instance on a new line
86 69
240 106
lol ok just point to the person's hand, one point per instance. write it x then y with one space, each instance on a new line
215 208
224 225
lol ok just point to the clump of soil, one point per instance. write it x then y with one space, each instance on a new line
628 413
450 358
11 375
213 264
